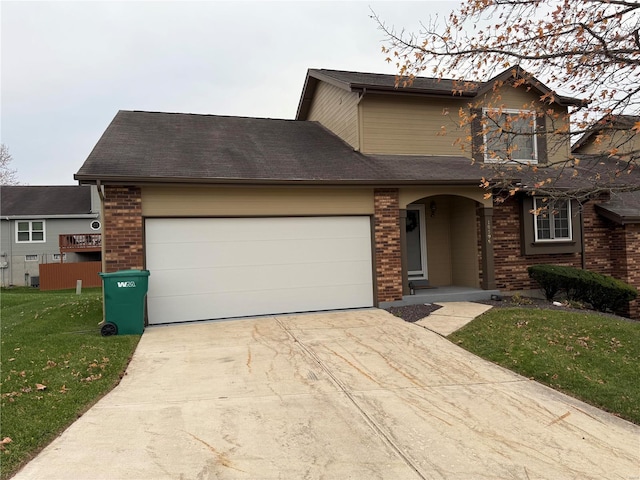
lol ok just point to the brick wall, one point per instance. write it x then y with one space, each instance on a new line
625 258
511 265
123 228
387 244
610 249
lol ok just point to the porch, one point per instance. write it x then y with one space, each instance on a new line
442 294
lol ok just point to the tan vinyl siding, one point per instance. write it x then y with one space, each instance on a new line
164 201
413 194
337 110
625 141
419 126
452 255
439 248
464 241
409 125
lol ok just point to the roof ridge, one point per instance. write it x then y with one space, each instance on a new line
206 115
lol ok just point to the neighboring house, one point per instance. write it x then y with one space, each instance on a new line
35 221
343 207
613 134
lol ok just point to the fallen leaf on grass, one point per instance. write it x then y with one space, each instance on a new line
4 441
40 386
64 389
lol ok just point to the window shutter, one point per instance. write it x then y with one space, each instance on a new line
477 139
541 139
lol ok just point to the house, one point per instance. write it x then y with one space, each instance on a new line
353 203
43 225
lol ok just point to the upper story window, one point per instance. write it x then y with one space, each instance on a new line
30 231
510 136
553 222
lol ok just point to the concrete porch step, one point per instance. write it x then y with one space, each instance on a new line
443 294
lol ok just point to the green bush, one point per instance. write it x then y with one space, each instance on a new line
602 292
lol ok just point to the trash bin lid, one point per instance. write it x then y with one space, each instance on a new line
126 273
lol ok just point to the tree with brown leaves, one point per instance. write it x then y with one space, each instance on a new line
587 51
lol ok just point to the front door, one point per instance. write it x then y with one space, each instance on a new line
416 242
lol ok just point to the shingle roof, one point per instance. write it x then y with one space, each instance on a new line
622 208
152 146
44 200
148 147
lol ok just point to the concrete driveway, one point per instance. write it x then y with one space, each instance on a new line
343 395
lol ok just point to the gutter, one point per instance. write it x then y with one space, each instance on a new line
114 180
46 217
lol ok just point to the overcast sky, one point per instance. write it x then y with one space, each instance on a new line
68 67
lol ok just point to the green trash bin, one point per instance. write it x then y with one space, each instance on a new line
124 293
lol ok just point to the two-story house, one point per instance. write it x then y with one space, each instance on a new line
46 224
349 205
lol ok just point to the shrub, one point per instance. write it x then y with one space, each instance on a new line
602 292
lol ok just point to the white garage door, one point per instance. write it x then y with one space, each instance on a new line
231 267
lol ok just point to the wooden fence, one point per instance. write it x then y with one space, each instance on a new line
59 276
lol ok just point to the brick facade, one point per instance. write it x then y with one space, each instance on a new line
124 247
625 257
610 249
388 255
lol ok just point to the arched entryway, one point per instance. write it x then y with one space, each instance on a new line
440 244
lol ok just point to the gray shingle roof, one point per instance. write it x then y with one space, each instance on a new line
152 146
622 208
44 200
148 147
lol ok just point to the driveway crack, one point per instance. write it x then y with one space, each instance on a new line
368 419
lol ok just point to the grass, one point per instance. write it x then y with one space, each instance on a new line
54 366
589 356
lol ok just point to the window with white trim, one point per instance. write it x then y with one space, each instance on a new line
56 256
30 231
553 220
509 136
31 258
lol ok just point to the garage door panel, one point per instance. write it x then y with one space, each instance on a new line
223 267
272 301
244 253
180 230
230 279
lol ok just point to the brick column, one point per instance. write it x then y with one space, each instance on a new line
388 256
486 247
122 229
625 252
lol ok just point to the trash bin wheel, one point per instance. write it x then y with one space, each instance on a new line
109 329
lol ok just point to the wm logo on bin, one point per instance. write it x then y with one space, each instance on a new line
126 284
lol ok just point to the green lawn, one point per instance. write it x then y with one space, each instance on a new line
54 366
593 357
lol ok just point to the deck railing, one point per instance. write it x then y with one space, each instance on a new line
80 242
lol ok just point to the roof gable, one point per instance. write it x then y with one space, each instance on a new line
385 83
62 200
610 123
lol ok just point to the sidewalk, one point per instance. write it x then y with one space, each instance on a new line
452 316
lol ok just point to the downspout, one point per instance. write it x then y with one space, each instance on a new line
11 240
102 247
360 121
582 250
